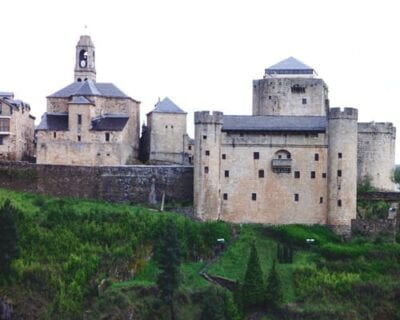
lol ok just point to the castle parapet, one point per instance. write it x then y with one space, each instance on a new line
376 127
204 117
347 113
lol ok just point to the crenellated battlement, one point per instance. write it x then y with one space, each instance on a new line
205 117
347 113
377 127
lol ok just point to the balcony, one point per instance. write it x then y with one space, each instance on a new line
281 165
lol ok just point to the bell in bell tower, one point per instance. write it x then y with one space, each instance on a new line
85 68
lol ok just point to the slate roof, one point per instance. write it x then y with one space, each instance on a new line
289 66
89 88
9 95
167 106
110 122
80 100
54 121
274 123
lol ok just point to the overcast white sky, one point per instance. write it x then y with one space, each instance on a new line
205 54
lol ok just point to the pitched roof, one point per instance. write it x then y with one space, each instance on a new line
167 106
289 66
275 123
89 88
80 100
110 122
54 121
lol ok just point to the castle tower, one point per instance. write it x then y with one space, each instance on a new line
290 88
342 168
207 162
376 154
85 68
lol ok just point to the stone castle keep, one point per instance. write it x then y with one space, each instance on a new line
294 160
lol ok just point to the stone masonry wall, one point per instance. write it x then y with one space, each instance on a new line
136 184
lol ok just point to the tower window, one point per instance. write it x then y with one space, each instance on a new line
225 196
312 174
316 157
339 203
254 196
323 175
256 155
79 119
261 173
107 136
304 101
207 152
205 169
321 199
296 197
226 173
297 174
189 147
54 134
339 155
297 89
204 137
79 138
79 80
339 173
224 156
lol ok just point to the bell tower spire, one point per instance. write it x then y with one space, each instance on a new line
85 68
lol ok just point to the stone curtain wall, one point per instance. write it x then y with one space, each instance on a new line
136 184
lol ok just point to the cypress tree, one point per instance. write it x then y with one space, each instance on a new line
253 285
273 294
169 260
8 237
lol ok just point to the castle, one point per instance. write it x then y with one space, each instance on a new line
294 160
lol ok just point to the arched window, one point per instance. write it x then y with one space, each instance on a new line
282 162
283 154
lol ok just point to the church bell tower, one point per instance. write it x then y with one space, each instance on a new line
85 68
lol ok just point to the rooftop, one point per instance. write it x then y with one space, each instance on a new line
167 106
274 123
289 66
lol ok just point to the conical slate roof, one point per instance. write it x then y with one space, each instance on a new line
289 66
167 106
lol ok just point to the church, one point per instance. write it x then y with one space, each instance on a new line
87 122
294 160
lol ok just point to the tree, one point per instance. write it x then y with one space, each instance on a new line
213 305
396 175
8 237
169 259
273 294
253 285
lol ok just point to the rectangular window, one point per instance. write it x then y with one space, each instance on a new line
321 199
304 101
312 174
107 136
256 155
79 119
297 174
339 173
225 196
205 169
324 175
339 203
339 155
296 197
79 138
207 152
223 156
204 137
54 134
254 196
261 173
316 157
5 125
226 173
190 147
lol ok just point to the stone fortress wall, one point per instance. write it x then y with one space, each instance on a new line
131 184
376 153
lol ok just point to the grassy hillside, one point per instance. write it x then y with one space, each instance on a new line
97 259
